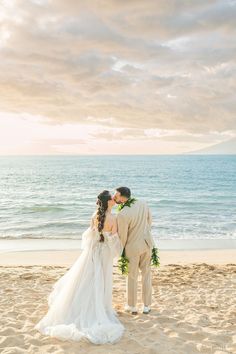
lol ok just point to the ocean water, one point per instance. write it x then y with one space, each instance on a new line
191 197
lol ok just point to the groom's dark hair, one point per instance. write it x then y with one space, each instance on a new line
124 191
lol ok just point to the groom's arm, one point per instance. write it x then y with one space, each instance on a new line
150 225
122 228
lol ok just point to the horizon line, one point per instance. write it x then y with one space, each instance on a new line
180 154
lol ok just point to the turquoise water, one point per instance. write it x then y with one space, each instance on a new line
191 197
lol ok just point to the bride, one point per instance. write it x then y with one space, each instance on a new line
80 304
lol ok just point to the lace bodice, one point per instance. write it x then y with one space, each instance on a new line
91 239
106 234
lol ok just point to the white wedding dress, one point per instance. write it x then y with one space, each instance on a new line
80 304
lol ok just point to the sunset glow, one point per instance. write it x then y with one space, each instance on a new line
79 78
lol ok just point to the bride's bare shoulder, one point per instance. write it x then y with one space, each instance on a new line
110 218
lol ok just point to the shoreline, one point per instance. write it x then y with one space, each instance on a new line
68 257
45 244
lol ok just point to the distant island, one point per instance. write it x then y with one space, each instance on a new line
227 147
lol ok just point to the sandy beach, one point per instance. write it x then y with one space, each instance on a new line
117 133
193 310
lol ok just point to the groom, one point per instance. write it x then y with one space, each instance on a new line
134 228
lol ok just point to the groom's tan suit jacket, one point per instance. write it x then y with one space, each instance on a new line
134 228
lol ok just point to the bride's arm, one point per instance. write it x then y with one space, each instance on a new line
87 236
92 220
149 217
91 223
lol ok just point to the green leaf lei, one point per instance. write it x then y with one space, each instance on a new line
155 259
127 203
123 262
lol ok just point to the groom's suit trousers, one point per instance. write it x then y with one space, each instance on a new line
142 262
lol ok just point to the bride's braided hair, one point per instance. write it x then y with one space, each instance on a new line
102 203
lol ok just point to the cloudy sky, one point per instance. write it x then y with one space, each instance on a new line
116 76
